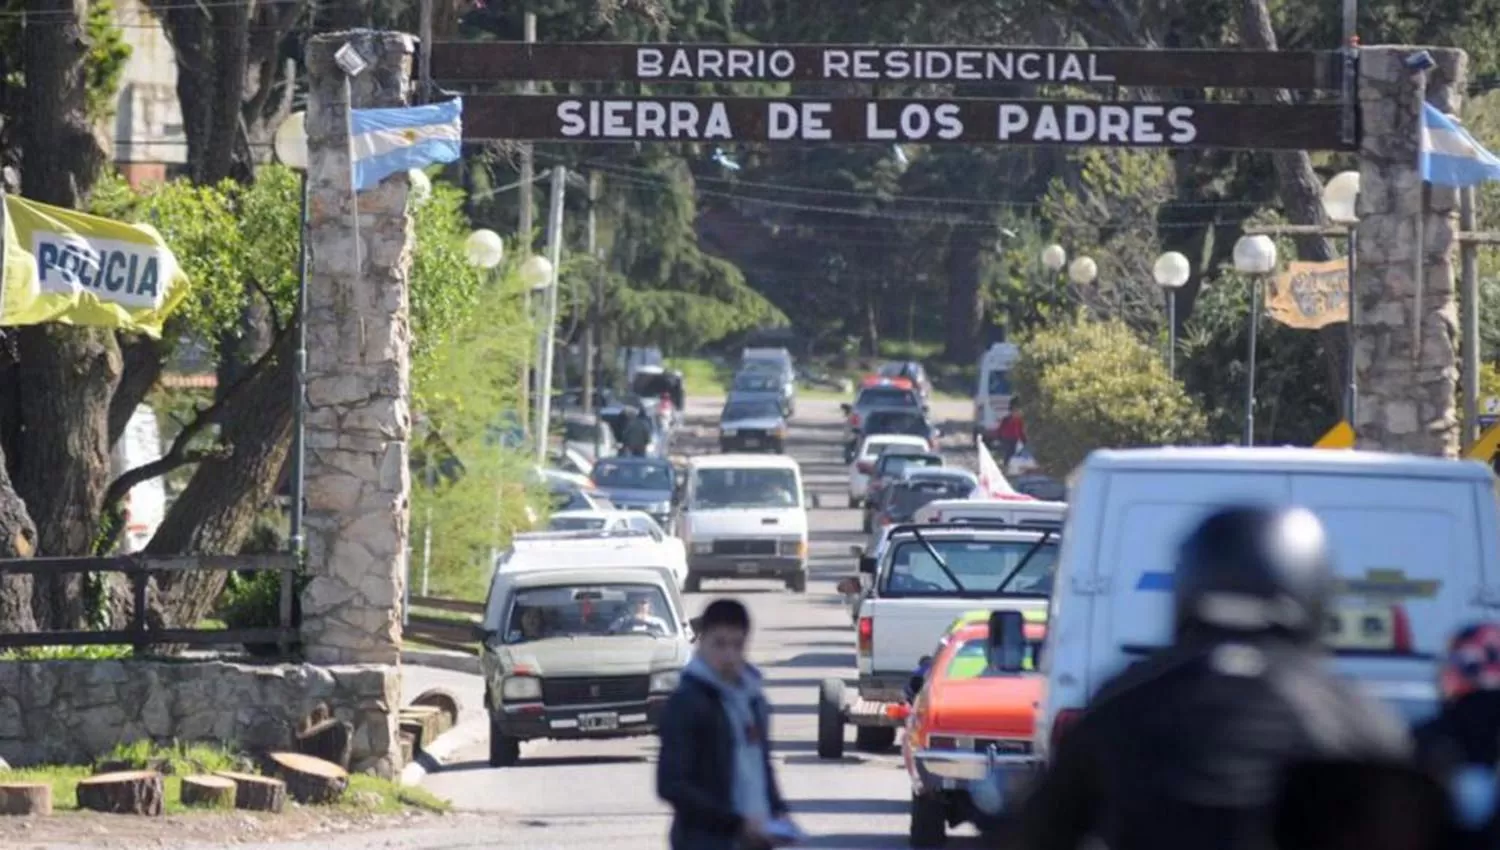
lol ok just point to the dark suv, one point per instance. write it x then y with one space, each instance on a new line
889 468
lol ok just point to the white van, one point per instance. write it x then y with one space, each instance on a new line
745 516
1027 514
146 504
1415 542
992 396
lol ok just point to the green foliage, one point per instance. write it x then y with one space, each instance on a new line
108 55
1089 385
104 652
255 601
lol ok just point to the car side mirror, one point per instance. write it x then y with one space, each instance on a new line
856 551
867 565
696 624
848 586
480 634
1007 641
846 407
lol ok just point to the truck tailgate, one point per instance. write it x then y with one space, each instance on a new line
906 629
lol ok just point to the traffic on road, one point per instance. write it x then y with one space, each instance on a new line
891 589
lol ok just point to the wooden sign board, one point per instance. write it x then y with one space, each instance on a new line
1310 295
605 118
478 62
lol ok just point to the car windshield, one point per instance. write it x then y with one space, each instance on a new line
980 567
572 610
626 475
896 422
971 660
757 409
910 497
1000 382
887 397
756 382
892 464
745 488
579 432
575 523
893 370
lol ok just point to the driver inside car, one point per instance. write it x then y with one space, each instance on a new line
639 618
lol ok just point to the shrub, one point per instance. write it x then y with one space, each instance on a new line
1088 385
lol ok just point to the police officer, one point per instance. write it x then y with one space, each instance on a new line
1187 749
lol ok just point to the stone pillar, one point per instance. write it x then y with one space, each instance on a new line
1407 397
358 421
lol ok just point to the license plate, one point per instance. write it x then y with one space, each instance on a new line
747 567
752 443
599 721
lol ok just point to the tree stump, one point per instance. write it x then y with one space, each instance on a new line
128 792
446 704
257 793
328 740
210 792
310 780
25 798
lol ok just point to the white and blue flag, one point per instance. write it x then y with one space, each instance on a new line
1450 156
387 141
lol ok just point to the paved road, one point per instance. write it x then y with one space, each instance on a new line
572 794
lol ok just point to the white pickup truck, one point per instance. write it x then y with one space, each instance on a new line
926 576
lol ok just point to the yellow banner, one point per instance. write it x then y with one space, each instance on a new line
78 269
1310 295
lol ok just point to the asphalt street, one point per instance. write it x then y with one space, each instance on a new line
573 794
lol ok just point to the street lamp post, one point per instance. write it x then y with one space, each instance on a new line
483 249
1340 198
290 145
536 273
1171 272
1254 256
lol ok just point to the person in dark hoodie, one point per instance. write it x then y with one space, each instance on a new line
1461 745
714 766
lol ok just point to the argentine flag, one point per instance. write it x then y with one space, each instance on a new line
1450 156
385 141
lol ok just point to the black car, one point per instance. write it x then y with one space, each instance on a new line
901 420
903 499
889 467
756 424
645 484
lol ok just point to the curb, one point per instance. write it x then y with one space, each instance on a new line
473 730
458 662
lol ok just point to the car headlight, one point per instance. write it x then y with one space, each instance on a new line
665 681
796 547
660 508
702 547
521 688
727 432
780 432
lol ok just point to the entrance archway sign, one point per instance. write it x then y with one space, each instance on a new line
610 118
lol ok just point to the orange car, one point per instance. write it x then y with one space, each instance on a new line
968 738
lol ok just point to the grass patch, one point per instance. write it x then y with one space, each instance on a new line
104 652
366 793
701 376
447 616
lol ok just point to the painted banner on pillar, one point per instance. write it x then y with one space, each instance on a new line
1310 295
69 267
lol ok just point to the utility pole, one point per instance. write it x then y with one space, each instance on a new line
590 336
546 354
1468 308
528 176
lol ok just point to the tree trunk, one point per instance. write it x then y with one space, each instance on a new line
215 512
230 28
965 299
65 379
1298 184
17 540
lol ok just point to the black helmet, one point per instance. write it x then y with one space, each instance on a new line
1255 570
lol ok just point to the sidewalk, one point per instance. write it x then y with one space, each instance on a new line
472 726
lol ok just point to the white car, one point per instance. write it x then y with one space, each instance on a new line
1023 514
745 516
864 460
627 523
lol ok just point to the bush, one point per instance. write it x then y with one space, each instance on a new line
1089 385
253 601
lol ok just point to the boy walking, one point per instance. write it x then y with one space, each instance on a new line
714 767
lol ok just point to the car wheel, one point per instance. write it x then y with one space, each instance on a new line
505 751
929 821
797 583
874 739
693 583
831 719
